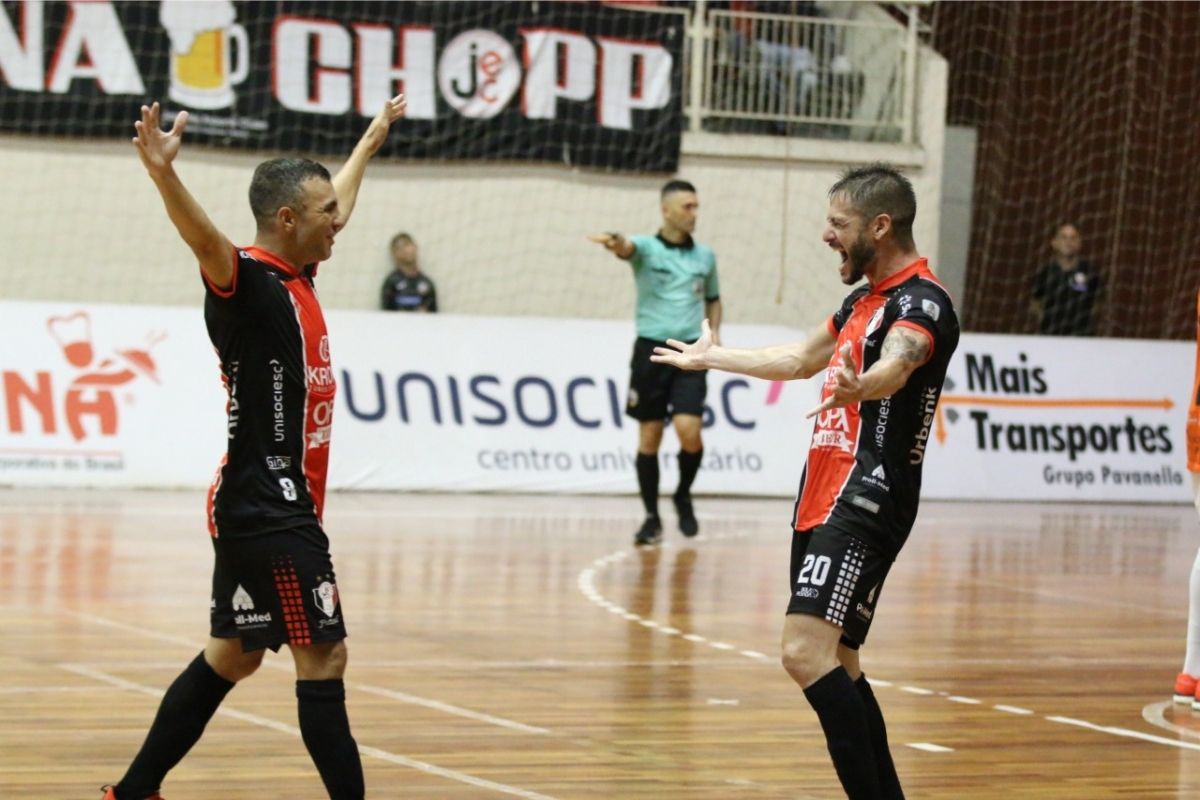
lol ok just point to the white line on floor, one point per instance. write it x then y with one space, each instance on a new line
291 730
1145 737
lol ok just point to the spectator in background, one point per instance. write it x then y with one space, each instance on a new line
1064 290
406 288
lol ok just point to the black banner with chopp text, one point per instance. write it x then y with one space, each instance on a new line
583 84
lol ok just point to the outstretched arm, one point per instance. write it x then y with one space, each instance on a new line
903 351
778 363
349 177
615 243
157 149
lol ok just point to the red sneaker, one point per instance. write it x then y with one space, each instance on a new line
1185 688
110 793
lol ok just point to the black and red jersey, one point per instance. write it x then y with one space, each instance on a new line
863 473
270 335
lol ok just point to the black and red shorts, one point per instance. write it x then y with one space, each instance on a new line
838 577
276 588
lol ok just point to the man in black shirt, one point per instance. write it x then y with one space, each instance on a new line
406 288
273 581
1064 291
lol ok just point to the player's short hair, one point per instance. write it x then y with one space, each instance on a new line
401 237
670 187
280 182
878 188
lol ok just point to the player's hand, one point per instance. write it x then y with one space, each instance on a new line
846 389
157 148
686 356
377 131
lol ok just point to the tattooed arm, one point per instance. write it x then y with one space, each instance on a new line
904 350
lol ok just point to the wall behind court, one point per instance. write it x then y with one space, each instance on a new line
80 221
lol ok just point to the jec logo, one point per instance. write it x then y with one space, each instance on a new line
90 393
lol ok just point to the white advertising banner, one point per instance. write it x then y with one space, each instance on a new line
99 395
1056 418
537 405
107 396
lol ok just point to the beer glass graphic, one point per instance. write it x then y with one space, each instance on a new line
204 41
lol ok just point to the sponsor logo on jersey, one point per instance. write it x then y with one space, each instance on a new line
929 401
320 377
277 406
833 430
242 601
276 463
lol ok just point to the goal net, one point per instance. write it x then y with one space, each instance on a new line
1086 113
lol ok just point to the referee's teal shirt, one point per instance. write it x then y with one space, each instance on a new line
674 281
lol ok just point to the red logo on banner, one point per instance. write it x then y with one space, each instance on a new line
90 395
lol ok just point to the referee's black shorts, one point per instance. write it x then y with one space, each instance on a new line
658 391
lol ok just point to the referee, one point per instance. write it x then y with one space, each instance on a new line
677 289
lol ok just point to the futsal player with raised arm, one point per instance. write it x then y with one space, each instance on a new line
882 357
273 580
677 287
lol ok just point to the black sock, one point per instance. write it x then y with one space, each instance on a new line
839 706
689 465
647 474
325 729
889 781
185 709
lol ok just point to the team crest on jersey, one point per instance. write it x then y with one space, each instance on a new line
875 321
932 309
326 598
323 349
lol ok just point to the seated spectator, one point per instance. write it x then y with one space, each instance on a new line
1064 290
406 288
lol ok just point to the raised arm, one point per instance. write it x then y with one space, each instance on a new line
157 149
782 362
349 177
615 243
904 349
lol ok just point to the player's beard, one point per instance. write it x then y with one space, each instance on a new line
859 255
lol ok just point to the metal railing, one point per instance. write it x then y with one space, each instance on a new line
802 76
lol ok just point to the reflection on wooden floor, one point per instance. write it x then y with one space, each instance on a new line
520 647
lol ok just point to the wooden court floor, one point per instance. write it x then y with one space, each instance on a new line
520 647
